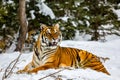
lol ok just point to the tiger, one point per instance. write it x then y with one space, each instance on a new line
49 54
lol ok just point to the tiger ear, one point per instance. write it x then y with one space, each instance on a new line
56 26
42 27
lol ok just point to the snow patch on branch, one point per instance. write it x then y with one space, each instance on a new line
45 10
117 12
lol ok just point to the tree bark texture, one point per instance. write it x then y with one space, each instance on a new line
23 25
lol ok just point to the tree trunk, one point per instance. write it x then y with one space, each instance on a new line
95 36
23 25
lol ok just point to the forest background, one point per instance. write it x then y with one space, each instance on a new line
93 20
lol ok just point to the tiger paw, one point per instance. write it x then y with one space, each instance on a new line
20 71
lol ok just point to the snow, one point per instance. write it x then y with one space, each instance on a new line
65 18
45 10
108 26
117 11
109 49
32 14
8 1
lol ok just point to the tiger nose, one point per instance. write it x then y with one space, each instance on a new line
55 39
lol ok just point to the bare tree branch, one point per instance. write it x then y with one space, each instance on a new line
51 74
8 73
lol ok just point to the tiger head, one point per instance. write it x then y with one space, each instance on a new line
50 36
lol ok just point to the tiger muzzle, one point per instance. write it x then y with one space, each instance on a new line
53 44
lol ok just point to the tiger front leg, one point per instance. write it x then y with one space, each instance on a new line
44 67
25 70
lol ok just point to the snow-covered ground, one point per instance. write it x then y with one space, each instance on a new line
109 49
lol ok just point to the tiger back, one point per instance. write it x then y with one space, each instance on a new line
48 54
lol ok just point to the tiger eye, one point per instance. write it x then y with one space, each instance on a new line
56 33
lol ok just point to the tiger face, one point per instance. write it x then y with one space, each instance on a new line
50 36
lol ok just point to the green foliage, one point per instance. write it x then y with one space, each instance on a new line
8 19
87 16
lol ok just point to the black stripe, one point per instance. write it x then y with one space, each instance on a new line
78 57
59 56
43 39
47 53
73 53
86 54
36 62
86 60
68 52
37 53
